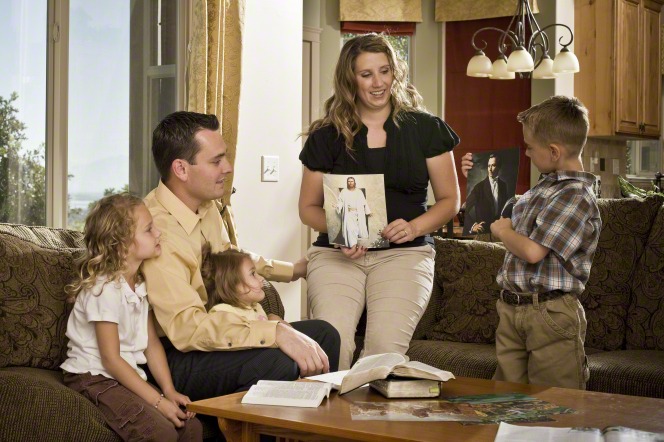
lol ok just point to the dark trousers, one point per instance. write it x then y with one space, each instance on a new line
127 414
202 375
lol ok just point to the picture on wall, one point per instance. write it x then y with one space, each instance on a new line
491 188
355 210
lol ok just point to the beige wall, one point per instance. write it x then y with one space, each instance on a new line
270 117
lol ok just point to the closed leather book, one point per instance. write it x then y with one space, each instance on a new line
405 388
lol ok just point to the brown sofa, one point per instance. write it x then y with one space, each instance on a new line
35 265
624 303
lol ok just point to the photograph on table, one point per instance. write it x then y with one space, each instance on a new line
355 210
491 189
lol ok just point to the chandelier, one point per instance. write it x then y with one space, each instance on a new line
525 57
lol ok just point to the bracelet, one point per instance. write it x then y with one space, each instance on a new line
156 404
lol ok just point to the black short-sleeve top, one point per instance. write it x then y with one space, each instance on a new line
418 136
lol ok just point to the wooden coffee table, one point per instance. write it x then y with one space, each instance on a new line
332 420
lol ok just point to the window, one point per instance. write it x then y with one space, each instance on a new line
23 112
77 110
644 158
98 110
399 34
400 43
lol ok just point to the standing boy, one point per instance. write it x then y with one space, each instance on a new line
550 240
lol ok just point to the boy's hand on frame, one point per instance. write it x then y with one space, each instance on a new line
501 225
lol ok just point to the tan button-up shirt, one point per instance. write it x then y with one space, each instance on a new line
175 286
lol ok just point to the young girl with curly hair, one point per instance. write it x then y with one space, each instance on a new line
111 330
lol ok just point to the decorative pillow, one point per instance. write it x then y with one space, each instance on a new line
33 310
466 271
645 318
626 224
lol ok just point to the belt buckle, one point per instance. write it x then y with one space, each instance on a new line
518 298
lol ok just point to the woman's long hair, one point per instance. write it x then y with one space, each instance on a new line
108 234
341 110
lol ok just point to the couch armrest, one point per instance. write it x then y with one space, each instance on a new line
272 302
35 405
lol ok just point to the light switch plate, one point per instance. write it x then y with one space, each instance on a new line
616 166
269 168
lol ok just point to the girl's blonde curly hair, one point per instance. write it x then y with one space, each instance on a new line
341 110
108 234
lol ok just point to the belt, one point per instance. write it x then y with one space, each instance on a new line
512 298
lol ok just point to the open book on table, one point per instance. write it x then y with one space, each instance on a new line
288 393
381 366
517 433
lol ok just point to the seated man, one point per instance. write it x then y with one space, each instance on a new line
215 353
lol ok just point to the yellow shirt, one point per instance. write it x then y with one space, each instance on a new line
256 313
175 286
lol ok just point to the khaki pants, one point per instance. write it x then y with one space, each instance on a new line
394 285
542 343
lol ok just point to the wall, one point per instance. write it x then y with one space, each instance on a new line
270 116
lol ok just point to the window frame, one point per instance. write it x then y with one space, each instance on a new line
57 98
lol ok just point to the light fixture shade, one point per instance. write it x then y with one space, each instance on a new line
499 70
545 69
479 66
520 61
565 62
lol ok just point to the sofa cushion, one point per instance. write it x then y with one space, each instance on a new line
37 406
466 272
460 358
626 224
33 311
633 372
645 320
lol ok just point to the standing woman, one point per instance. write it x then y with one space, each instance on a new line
375 123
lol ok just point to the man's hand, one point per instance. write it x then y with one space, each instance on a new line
466 163
500 226
306 352
299 269
478 227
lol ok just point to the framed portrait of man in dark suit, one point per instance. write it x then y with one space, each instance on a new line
491 184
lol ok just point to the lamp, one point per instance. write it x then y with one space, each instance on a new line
526 56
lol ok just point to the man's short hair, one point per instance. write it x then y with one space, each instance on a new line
174 139
558 120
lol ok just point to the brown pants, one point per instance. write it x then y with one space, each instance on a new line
542 343
127 414
394 285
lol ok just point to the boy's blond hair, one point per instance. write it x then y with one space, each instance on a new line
222 276
558 120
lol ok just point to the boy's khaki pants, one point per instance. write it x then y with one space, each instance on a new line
542 343
394 285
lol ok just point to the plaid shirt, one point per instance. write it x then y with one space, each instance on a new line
561 214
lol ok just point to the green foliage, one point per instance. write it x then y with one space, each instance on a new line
23 175
22 172
629 190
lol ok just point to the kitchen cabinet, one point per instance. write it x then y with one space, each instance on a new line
617 43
